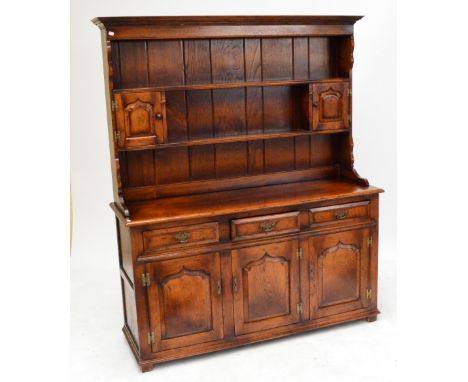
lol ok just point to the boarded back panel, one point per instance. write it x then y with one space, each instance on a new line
277 58
133 64
165 62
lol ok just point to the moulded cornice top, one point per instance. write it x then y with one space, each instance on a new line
106 22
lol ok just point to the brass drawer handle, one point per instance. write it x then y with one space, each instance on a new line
182 237
218 288
267 227
341 215
234 284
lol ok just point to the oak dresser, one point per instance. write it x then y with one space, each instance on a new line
240 216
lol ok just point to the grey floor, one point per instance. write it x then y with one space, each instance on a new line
358 351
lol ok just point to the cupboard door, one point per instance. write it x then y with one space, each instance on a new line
140 118
184 300
339 267
330 105
265 286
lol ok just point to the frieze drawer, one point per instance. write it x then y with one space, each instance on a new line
339 213
263 226
160 239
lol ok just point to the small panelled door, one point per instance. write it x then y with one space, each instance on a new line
265 286
140 118
330 105
185 301
339 272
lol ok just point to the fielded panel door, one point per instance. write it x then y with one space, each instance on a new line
330 105
265 286
185 301
140 118
339 272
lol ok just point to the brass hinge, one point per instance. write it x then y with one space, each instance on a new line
117 135
299 253
350 91
368 293
145 280
113 105
150 338
299 308
370 241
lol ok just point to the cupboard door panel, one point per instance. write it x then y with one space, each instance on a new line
265 286
330 105
140 119
339 267
184 300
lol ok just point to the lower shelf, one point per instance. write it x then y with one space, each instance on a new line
229 343
235 201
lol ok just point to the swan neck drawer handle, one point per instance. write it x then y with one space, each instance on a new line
267 227
341 215
182 237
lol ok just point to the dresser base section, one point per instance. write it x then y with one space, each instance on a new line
229 343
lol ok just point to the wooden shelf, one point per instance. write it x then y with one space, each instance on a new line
237 138
226 85
244 200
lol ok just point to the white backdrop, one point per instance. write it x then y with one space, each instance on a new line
95 283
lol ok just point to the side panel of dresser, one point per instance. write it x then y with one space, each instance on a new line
108 64
134 283
373 255
127 280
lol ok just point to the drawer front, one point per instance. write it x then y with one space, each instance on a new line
262 226
160 239
339 213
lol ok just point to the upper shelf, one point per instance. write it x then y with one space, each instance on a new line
147 119
227 85
236 138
